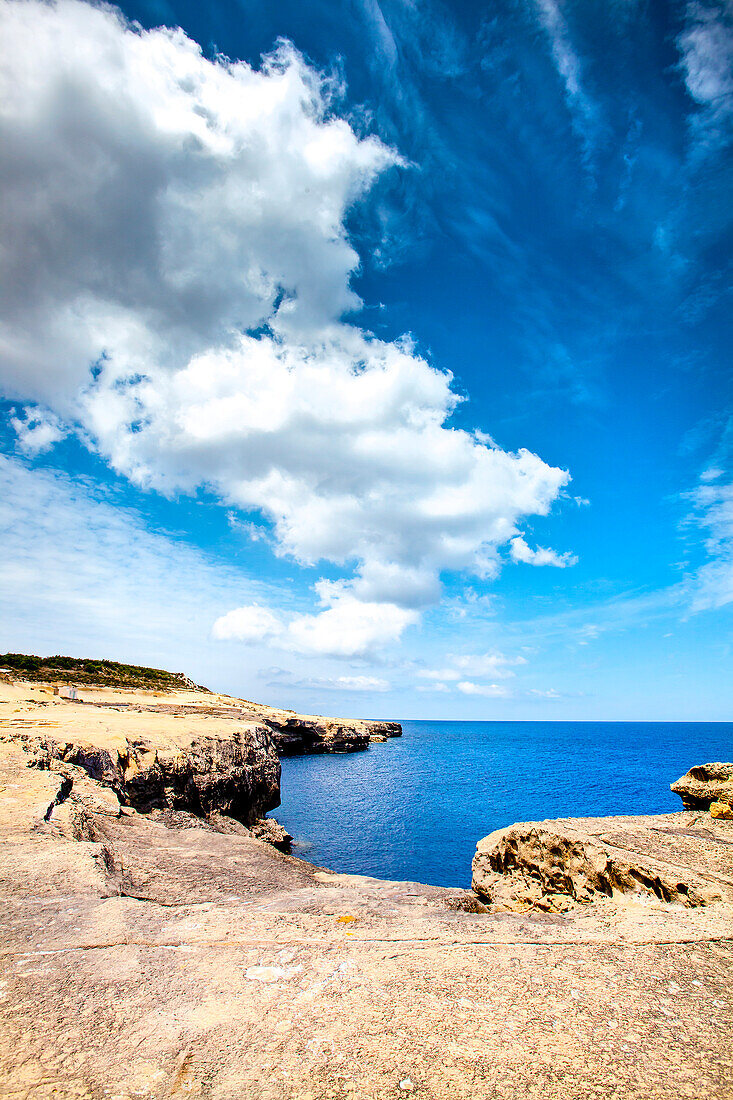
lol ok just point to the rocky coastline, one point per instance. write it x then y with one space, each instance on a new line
179 749
157 940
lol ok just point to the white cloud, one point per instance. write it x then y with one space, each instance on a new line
347 627
36 431
583 109
443 688
361 683
521 551
354 683
473 664
248 624
486 664
494 691
179 270
706 50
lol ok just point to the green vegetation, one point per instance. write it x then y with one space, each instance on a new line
84 670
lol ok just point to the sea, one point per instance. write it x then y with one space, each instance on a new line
413 808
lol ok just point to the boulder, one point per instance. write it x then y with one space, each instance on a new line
705 784
556 865
273 832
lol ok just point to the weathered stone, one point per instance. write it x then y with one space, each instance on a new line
704 784
163 955
300 735
680 858
150 760
721 810
235 772
273 832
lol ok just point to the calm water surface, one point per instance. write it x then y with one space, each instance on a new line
414 807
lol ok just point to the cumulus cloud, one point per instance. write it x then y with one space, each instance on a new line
521 551
178 277
347 627
36 431
248 624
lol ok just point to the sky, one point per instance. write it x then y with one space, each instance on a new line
372 358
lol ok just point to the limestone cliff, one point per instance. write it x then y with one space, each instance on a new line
180 750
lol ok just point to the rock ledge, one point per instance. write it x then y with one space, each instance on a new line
681 859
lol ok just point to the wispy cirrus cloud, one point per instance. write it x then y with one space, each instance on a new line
359 684
584 110
710 519
706 60
81 573
459 666
472 674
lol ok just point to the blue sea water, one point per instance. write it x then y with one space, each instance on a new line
413 808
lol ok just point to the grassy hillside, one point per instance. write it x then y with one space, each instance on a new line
84 670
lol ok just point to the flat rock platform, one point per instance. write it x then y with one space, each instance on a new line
153 955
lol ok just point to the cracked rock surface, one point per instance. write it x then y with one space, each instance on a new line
155 955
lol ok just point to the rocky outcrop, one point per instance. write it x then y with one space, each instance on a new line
181 751
555 865
294 734
705 784
273 832
299 736
235 773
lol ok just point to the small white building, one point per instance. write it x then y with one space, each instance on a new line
65 691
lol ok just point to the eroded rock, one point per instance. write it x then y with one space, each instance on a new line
235 773
273 832
705 784
299 735
555 865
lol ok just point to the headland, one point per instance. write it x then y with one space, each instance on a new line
155 945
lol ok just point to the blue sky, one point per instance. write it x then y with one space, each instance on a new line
375 357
